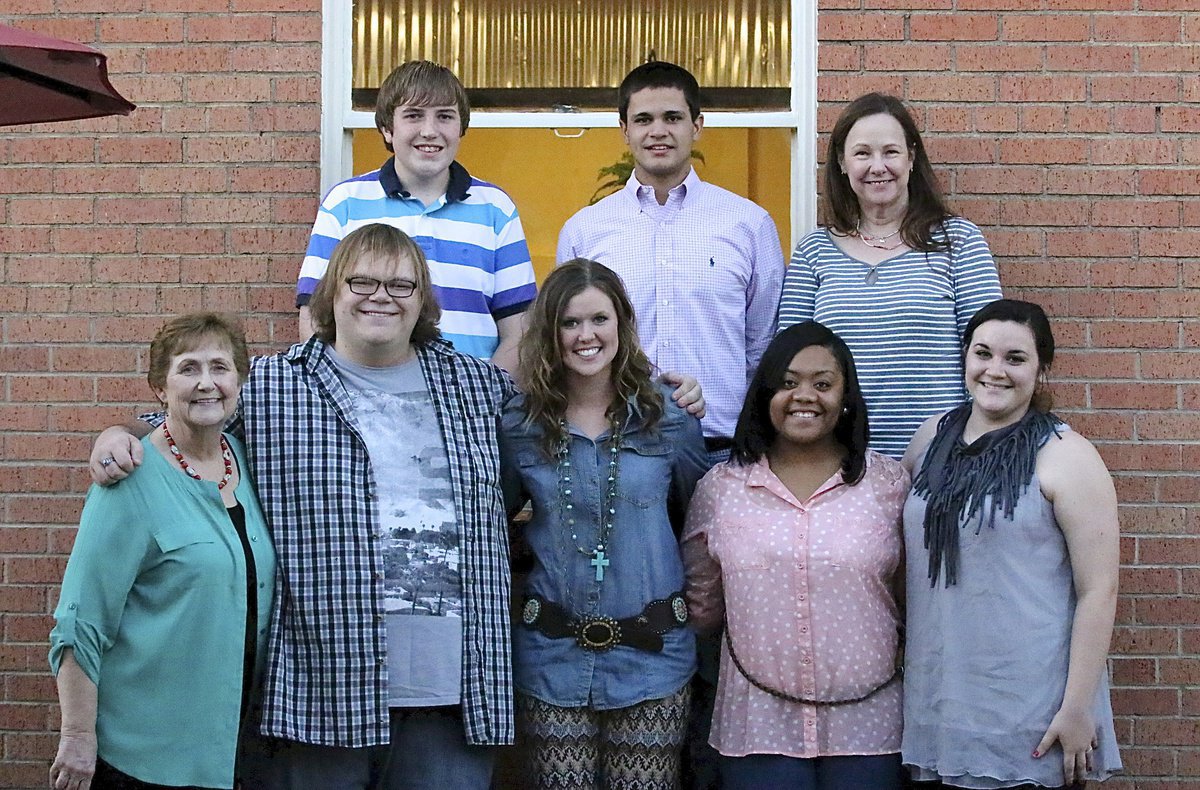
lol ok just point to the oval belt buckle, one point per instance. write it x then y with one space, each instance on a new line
599 633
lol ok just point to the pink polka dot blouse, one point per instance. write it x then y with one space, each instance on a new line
807 591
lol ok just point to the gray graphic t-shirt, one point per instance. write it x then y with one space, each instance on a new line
422 581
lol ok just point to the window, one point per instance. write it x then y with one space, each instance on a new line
542 77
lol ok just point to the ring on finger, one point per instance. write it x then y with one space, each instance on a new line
107 461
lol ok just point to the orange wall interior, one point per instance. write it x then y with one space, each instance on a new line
551 177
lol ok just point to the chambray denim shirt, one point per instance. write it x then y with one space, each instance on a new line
658 469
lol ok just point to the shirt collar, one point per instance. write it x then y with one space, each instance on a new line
456 189
759 475
687 189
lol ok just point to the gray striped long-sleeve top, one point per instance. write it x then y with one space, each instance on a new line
905 329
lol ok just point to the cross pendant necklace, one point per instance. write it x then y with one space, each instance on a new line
608 502
599 562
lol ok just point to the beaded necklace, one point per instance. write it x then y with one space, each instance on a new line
226 455
608 509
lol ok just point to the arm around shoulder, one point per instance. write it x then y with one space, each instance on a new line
117 452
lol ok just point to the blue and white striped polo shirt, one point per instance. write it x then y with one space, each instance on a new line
472 237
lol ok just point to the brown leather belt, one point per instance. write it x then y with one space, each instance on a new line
642 631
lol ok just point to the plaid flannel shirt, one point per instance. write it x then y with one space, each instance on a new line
326 681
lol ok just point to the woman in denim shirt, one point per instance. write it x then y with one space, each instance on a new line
609 462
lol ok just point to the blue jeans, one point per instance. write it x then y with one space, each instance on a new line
856 772
428 751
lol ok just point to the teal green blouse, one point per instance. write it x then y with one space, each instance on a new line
154 606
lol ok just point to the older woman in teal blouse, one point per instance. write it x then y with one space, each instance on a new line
166 598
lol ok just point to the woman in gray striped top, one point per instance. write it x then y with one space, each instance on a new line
892 272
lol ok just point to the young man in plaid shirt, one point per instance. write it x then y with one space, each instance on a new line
374 450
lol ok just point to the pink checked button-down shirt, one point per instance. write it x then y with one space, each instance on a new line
704 273
807 590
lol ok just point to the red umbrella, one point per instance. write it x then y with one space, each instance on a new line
47 79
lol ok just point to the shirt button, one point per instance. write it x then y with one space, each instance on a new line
254 538
262 585
379 575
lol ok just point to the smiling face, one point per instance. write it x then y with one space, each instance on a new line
1001 373
808 404
376 329
201 387
877 161
660 132
425 140
587 333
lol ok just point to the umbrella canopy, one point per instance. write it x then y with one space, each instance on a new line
46 79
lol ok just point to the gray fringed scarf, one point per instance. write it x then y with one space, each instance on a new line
956 479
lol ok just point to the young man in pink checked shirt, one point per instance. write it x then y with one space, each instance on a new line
704 269
703 266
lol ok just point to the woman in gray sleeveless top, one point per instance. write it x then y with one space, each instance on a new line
1011 538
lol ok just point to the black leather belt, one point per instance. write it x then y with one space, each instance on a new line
715 444
642 631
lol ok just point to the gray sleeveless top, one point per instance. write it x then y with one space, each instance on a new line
986 660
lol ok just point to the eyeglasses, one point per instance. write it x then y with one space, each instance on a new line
367 286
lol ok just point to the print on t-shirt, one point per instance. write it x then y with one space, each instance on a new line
416 504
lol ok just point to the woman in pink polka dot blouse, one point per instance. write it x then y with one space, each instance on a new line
795 544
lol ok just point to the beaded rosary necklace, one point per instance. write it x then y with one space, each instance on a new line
608 508
226 455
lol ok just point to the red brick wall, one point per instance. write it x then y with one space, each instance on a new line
1068 129
200 199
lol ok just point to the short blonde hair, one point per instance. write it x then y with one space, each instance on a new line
381 242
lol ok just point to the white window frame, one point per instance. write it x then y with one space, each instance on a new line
339 119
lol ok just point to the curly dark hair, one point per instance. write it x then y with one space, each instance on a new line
541 351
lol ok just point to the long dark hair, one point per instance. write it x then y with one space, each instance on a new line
545 375
755 434
1026 314
926 207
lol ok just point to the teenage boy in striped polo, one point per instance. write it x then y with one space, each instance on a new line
469 229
